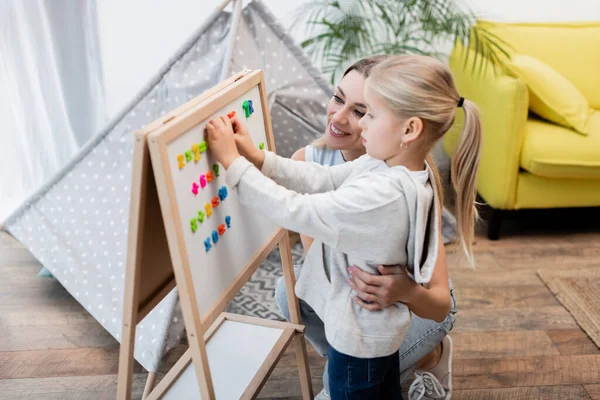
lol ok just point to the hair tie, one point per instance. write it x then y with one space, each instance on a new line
460 102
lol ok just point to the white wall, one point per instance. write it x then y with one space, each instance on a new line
536 10
138 36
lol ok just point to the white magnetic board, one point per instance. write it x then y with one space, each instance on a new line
233 235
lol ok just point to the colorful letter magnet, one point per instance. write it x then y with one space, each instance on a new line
188 155
202 181
231 114
261 145
216 169
195 188
196 151
200 216
223 193
209 176
221 229
180 159
202 147
194 224
228 221
207 244
215 237
215 202
208 210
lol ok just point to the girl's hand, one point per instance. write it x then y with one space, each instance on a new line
244 143
376 292
221 141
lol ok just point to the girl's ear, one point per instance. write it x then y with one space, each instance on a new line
413 127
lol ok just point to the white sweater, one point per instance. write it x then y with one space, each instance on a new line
362 213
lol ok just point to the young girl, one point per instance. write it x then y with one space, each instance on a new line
426 350
379 209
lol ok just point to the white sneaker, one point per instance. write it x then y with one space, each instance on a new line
323 395
437 382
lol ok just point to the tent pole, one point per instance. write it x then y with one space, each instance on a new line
235 19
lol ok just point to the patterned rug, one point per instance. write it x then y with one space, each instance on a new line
256 297
578 290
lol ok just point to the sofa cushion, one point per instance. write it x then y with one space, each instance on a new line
573 49
553 151
551 95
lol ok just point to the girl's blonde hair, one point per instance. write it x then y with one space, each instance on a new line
424 87
363 67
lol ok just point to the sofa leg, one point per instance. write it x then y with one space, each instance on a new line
494 224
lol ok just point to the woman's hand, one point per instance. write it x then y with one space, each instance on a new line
221 141
376 292
244 143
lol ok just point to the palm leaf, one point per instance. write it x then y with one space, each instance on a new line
340 32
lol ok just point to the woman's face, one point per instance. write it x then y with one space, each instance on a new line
345 109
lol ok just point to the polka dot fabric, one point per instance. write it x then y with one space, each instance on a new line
77 228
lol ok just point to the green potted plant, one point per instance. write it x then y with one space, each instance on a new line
340 31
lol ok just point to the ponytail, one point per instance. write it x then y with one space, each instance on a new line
421 86
465 162
436 176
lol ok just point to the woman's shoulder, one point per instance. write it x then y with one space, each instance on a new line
323 155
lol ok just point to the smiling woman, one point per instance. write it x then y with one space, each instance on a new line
345 108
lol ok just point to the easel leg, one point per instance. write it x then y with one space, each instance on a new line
149 384
285 250
125 376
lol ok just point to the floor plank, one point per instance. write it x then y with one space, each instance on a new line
59 362
502 344
507 297
43 316
22 338
511 319
526 371
572 342
98 387
467 278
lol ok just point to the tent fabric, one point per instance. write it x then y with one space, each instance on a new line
76 224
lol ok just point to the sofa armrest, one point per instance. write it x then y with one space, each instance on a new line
503 102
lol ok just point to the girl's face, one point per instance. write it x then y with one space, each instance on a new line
382 131
345 109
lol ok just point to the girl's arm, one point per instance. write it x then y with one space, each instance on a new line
376 292
346 218
298 176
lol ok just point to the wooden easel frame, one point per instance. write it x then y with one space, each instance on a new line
153 270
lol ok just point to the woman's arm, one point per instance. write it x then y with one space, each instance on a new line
300 155
376 292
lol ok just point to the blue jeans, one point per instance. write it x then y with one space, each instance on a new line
352 378
423 335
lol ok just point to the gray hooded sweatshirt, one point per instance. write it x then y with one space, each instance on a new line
362 213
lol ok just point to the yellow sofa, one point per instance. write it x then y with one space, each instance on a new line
528 162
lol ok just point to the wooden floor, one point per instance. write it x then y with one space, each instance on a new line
513 340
